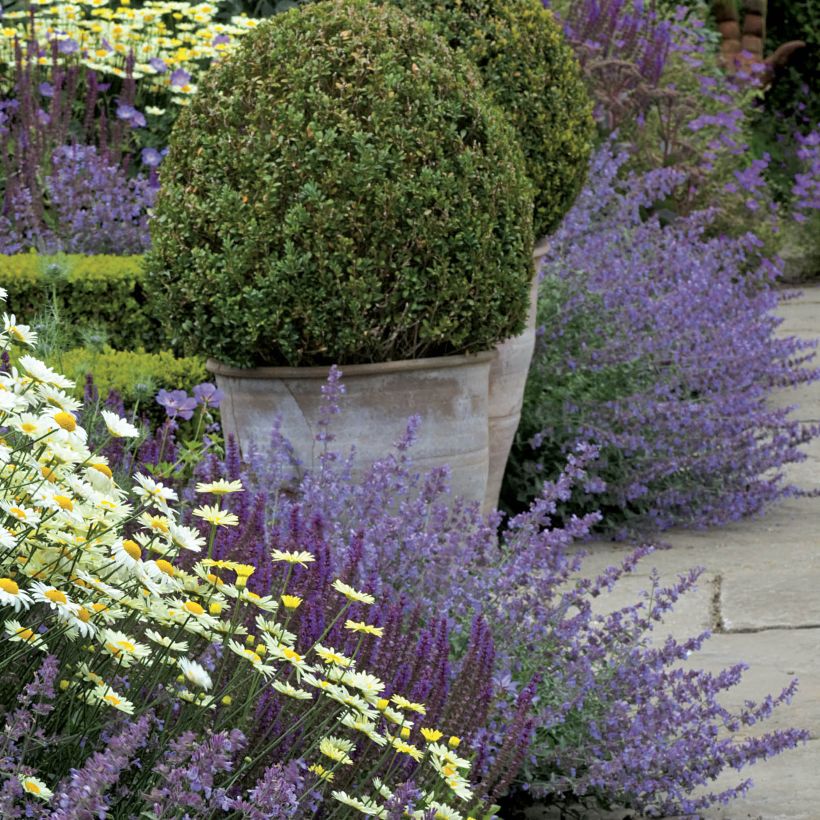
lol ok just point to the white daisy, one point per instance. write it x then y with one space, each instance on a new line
126 554
22 334
162 640
105 694
119 427
54 598
195 673
154 492
41 372
12 595
186 538
16 632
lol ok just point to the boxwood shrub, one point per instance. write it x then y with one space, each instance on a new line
533 75
341 189
134 374
102 291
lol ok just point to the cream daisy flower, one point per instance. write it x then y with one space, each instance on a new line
21 513
12 595
54 598
352 594
253 657
220 487
368 807
15 631
118 427
34 427
292 691
162 640
214 515
186 538
303 558
127 554
105 694
81 622
195 673
22 334
337 749
123 647
365 726
331 656
58 398
153 492
40 372
35 787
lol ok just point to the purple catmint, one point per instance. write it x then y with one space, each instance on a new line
83 795
659 345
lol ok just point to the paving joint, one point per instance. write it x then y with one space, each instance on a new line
754 630
718 625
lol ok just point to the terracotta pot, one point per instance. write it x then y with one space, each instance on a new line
508 375
449 393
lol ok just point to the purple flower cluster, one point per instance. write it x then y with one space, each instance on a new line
178 404
584 705
660 346
623 48
68 184
806 188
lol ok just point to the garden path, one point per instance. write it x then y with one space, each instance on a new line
760 596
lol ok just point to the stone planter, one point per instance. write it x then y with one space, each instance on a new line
449 393
508 375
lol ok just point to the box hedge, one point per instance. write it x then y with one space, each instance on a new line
90 291
134 374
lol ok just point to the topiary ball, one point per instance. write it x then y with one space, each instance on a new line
533 75
341 189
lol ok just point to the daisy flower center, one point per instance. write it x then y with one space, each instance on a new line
165 566
194 608
9 586
66 421
132 548
56 596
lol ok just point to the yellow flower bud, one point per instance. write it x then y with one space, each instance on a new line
227 700
64 684
405 732
454 742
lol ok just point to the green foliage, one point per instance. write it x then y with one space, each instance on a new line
553 387
341 190
90 294
533 75
134 374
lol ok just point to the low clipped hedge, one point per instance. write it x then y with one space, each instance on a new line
134 374
532 73
341 190
103 291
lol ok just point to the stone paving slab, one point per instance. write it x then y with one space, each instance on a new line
787 787
691 615
774 658
760 595
772 599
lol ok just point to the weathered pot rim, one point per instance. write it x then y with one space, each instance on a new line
321 371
